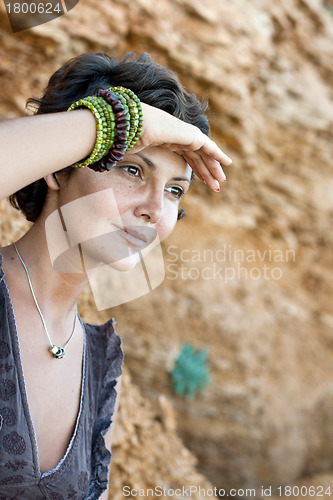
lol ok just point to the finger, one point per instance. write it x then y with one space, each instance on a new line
200 169
213 166
176 147
196 173
199 177
206 148
211 148
207 167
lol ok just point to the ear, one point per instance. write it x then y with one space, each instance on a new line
52 182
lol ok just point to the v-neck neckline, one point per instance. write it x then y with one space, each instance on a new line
24 394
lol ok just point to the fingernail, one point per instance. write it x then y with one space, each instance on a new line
217 190
225 180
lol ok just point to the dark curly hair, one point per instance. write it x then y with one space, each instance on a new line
82 76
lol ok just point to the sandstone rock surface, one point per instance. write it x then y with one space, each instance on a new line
266 69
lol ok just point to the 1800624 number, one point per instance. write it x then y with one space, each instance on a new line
304 491
33 8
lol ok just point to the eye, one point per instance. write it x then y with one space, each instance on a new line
176 191
132 170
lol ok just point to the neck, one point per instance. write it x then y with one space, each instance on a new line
56 292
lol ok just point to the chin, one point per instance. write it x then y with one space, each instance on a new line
124 265
111 251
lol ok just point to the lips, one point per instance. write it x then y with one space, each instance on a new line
135 237
135 234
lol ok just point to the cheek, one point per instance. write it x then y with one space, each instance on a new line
167 223
124 194
82 183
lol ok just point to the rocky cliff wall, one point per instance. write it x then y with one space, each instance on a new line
255 282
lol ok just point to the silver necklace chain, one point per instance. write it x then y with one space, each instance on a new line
56 351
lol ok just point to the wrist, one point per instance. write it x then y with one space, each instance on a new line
118 119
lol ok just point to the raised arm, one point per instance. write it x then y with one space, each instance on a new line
32 147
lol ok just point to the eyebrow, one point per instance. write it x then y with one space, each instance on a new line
152 166
149 163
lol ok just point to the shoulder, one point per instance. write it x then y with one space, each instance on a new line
105 347
103 337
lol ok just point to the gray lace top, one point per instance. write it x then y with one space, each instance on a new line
83 471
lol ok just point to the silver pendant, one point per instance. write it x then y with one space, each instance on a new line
57 352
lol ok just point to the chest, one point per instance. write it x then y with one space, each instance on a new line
51 387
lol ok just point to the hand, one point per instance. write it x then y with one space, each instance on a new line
201 153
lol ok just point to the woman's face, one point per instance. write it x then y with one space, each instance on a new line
116 214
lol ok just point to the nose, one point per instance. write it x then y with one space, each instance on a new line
151 207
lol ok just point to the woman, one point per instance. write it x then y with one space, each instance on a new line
55 416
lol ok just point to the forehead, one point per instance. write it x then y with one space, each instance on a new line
161 161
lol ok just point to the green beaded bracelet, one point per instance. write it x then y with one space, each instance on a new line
135 98
109 127
135 111
133 120
105 125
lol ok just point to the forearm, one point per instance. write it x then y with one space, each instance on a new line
32 147
35 146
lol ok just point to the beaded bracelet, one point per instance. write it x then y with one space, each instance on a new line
122 116
122 120
135 107
119 120
105 125
129 120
